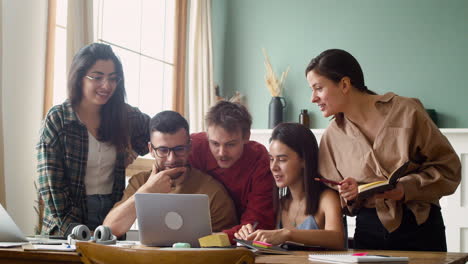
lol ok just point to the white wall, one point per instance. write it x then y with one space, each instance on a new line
2 179
24 25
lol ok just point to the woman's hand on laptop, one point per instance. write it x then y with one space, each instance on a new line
161 182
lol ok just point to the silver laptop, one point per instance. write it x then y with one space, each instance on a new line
165 219
9 231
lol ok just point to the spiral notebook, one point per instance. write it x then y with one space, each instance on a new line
348 258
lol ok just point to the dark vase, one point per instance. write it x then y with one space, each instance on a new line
275 111
433 114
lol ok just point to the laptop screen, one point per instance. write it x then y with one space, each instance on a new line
165 219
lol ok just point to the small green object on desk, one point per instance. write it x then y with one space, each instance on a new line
181 245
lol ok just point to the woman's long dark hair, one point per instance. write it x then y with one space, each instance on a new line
114 125
335 64
302 141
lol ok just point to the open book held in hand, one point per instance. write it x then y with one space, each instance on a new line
367 190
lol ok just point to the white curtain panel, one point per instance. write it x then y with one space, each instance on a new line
200 66
79 27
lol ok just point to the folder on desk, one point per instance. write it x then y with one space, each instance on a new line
348 258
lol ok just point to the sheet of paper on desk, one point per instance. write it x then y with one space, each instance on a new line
50 247
46 241
347 258
11 244
126 243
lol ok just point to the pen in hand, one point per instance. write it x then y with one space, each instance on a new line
327 181
334 183
254 225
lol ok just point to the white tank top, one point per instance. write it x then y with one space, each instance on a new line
99 177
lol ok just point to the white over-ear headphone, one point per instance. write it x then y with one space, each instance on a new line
102 235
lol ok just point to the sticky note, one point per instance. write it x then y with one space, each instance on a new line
215 240
261 244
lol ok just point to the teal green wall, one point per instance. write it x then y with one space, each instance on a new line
218 28
416 48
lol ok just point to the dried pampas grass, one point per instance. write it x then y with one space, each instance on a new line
274 85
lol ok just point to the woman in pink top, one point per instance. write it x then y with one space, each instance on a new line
371 135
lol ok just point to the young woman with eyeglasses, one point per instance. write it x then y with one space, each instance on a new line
86 143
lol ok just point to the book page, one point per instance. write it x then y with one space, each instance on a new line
369 185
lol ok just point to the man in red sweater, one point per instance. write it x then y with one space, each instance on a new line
243 166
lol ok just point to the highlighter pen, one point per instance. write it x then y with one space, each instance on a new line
327 181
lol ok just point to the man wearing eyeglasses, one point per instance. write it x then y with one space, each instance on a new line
170 146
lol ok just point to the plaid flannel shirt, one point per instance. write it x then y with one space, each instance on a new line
62 156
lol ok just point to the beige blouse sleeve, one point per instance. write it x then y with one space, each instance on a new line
328 168
327 164
440 173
